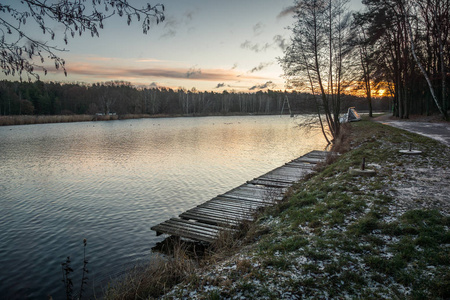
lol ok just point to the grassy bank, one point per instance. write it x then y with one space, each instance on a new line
340 236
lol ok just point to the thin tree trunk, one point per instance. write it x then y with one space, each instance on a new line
413 50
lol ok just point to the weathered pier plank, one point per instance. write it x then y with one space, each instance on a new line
227 211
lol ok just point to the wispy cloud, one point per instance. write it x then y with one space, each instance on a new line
280 42
219 85
96 58
172 24
268 84
261 66
125 73
258 28
193 72
150 60
287 11
189 15
254 46
170 33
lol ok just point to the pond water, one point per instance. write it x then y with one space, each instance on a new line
109 182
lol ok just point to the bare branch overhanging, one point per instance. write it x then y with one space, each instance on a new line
22 54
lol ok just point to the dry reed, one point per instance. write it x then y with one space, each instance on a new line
31 119
156 278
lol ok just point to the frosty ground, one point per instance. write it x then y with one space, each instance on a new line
341 236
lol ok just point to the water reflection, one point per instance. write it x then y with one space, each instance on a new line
110 182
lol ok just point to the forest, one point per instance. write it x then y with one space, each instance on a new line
119 97
398 48
406 44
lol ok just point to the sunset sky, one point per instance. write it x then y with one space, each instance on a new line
204 44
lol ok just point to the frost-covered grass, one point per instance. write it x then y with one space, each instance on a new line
340 236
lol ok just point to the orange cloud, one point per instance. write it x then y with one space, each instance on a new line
174 73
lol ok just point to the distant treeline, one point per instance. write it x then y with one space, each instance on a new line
121 98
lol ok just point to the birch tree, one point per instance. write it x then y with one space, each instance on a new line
433 16
411 42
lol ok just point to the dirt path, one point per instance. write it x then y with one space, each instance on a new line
424 126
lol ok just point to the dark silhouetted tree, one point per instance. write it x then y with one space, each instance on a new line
317 57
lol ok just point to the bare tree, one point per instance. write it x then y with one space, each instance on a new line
316 58
410 43
21 53
435 16
363 47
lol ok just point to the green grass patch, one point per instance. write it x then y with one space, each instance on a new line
279 262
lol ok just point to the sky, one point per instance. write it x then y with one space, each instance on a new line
207 45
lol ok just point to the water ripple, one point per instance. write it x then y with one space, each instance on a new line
61 183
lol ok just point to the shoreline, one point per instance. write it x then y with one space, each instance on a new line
14 120
338 236
50 119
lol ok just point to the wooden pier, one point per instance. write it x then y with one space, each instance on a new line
227 211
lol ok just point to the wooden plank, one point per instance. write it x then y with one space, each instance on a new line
261 194
294 168
318 154
184 233
251 193
301 167
246 198
218 228
269 183
228 210
277 179
215 213
177 226
264 197
274 182
283 173
285 170
209 219
192 228
221 214
263 188
255 205
238 204
228 206
310 160
283 183
190 214
283 176
234 203
280 177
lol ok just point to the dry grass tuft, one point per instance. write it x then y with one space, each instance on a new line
156 278
342 143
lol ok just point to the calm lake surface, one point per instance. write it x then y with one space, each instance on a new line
109 182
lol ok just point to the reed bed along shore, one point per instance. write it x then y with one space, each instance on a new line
45 119
30 119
